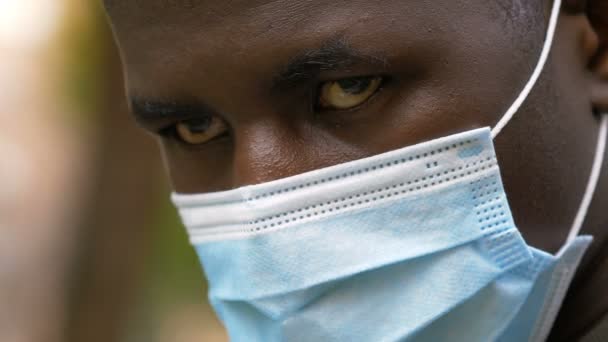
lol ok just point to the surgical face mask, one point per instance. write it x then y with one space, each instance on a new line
417 244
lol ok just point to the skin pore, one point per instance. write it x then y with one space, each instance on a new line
252 83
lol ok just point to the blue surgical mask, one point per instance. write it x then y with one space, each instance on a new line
417 244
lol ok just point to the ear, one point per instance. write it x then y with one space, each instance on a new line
594 45
597 11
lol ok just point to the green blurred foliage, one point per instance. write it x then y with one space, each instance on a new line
172 277
85 46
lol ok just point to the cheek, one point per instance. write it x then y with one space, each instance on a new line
261 155
198 170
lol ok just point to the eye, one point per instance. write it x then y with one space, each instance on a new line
200 131
348 93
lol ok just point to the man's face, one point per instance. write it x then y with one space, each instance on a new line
244 92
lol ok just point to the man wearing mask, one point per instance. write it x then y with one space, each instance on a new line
384 170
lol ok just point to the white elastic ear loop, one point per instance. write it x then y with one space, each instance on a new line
557 4
593 179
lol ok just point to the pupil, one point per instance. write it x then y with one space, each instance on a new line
355 86
197 126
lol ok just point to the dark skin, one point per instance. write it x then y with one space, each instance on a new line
250 72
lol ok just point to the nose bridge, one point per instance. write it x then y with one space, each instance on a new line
266 151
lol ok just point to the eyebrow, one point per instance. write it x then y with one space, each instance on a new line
146 110
335 54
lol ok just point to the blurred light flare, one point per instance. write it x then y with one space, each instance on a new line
27 23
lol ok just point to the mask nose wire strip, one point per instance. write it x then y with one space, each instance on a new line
593 180
537 71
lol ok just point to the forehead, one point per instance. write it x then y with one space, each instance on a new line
284 17
170 42
217 12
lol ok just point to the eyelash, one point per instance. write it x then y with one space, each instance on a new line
169 132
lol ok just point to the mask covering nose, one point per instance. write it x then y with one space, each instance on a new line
417 244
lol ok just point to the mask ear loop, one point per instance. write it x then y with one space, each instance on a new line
593 180
557 4
601 144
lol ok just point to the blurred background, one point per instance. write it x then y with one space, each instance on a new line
90 247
